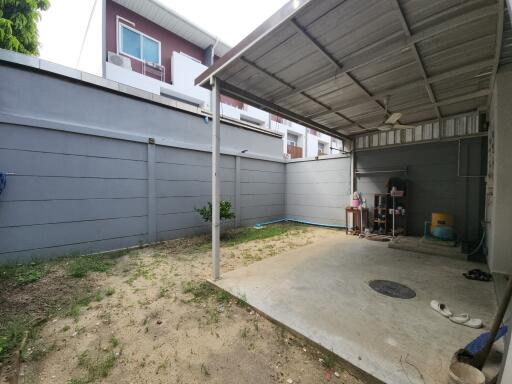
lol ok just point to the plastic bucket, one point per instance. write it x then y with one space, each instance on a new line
441 218
461 373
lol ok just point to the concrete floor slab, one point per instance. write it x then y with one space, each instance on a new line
321 291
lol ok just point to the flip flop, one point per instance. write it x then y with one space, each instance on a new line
441 308
464 319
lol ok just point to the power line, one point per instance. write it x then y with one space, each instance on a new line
86 32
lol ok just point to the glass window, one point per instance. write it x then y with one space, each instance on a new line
293 140
150 50
138 45
130 42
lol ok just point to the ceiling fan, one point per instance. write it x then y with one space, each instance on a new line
392 120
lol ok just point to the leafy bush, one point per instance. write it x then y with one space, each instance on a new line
225 211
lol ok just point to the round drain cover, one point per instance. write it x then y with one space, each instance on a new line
392 289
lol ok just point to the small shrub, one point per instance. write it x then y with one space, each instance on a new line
225 211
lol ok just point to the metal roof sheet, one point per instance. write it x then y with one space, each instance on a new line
330 64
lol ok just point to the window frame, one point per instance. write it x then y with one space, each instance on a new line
120 25
296 142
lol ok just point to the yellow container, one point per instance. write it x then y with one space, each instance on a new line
441 218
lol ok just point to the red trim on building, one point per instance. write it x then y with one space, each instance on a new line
169 41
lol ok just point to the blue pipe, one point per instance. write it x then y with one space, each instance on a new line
259 225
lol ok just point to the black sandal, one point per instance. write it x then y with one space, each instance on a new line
477 274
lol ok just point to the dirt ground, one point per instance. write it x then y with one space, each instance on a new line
153 319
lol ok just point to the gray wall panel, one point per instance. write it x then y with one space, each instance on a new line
50 235
433 185
88 247
50 164
262 191
56 188
19 213
318 191
86 179
65 100
60 142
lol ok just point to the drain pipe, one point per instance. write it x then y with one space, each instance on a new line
352 172
261 225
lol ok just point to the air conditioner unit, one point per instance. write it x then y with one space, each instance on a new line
119 60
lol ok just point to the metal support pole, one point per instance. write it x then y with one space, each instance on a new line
215 107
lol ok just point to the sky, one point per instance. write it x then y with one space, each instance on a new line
65 24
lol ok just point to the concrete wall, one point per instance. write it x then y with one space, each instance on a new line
499 192
88 179
318 190
433 184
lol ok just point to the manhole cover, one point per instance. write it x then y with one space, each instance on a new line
392 289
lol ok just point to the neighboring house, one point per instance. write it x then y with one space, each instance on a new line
150 47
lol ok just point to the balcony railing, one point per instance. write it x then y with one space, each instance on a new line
294 152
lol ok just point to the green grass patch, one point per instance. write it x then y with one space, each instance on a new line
80 266
200 290
96 367
12 332
78 301
23 274
243 235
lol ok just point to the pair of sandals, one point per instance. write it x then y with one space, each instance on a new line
477 274
462 318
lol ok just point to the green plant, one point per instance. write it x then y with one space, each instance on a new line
18 24
80 266
11 334
110 291
23 274
200 290
225 211
96 367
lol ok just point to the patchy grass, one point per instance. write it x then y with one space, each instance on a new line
22 274
79 300
242 235
12 332
201 290
80 266
232 237
96 365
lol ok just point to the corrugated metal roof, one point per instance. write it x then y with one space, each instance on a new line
165 17
330 64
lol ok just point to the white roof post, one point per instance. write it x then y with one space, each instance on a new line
215 108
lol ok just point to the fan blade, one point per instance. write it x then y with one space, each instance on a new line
385 128
402 126
393 118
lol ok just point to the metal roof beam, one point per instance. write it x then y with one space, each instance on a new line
441 103
499 41
415 38
281 81
408 86
232 91
304 33
406 28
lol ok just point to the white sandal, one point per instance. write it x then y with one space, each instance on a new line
441 308
465 319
